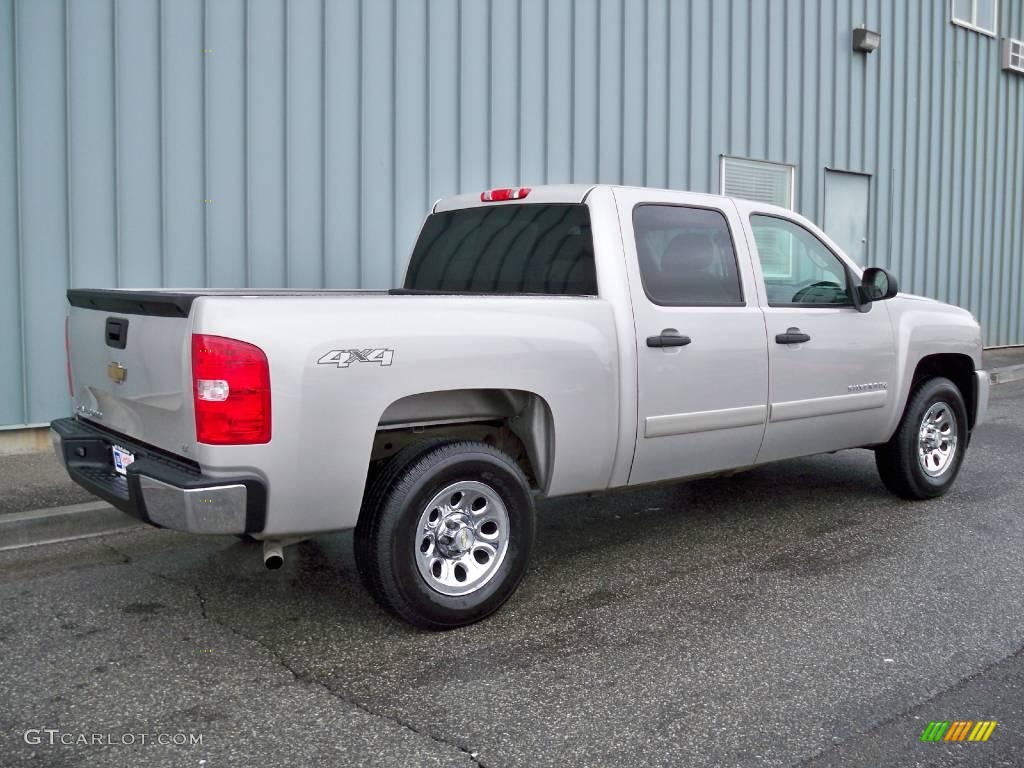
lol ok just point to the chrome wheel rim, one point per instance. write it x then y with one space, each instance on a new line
461 538
937 439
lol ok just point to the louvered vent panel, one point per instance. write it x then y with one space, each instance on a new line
1013 55
757 180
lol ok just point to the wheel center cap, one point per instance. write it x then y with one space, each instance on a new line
455 535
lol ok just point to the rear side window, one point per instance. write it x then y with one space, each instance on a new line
544 248
686 256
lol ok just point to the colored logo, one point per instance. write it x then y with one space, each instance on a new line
958 730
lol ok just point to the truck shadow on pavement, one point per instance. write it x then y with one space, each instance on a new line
804 518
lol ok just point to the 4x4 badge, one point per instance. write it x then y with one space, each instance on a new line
342 358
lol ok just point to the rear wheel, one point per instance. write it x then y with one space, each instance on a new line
923 458
445 533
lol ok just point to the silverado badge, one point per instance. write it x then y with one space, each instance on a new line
873 386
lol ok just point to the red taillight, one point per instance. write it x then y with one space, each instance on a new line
505 193
67 357
231 391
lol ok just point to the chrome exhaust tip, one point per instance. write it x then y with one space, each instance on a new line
273 555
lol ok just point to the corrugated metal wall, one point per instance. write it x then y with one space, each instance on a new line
270 143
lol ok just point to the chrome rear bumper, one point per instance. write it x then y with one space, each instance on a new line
158 488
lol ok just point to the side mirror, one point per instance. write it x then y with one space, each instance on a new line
878 284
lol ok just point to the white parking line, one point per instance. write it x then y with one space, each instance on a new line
58 524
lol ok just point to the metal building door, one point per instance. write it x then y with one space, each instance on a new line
846 212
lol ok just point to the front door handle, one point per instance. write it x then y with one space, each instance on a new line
792 336
668 338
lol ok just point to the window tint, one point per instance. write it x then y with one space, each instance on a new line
686 256
523 248
798 268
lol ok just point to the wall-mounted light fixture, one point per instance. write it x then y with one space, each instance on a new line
866 41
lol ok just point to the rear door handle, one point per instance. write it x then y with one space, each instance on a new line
668 338
792 336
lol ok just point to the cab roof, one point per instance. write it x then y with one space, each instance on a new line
546 193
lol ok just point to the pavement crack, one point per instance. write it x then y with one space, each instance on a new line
300 677
202 601
126 559
309 681
878 725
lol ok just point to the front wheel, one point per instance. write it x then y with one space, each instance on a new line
923 458
445 533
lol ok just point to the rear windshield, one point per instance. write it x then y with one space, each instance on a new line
542 248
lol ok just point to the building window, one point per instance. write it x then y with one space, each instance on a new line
758 180
979 15
1013 55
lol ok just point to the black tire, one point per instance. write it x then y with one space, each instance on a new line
387 534
898 461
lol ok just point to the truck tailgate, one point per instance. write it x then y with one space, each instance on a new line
129 356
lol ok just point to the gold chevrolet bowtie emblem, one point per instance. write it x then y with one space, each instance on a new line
117 373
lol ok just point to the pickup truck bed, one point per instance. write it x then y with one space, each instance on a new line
327 414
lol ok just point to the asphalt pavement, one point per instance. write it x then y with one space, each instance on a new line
36 481
796 614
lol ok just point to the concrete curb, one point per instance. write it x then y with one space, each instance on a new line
58 524
1006 374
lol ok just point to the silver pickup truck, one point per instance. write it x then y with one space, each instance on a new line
547 341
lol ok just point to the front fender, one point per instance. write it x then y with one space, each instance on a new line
922 328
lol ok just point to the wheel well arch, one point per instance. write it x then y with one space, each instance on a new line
518 422
958 368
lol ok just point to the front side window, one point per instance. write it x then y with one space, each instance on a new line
544 248
686 256
797 267
980 15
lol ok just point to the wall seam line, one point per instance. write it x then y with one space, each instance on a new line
161 107
286 198
519 98
16 93
323 143
246 149
489 99
392 5
622 92
67 144
598 12
426 106
572 94
116 106
205 207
